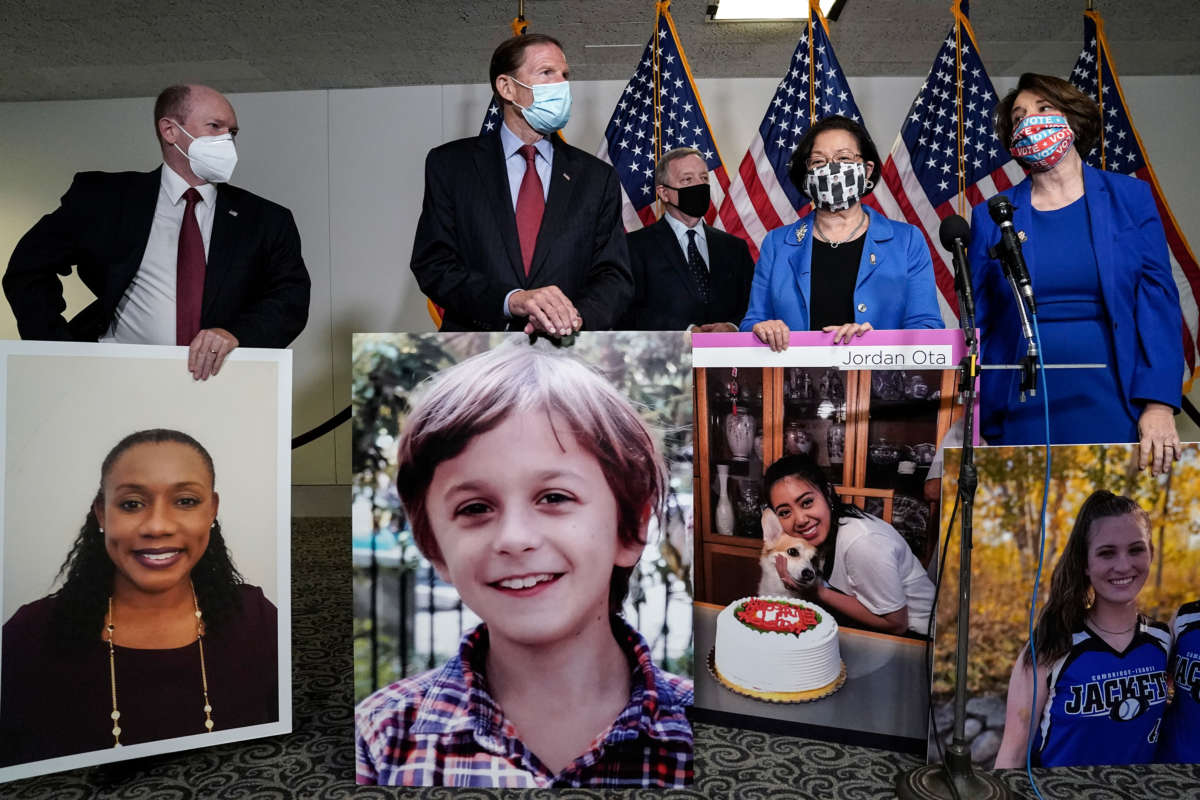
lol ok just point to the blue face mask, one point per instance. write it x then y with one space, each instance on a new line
551 107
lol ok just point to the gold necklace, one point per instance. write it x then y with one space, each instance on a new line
1092 620
109 627
832 244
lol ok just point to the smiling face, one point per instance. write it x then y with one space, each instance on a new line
1118 558
526 525
802 509
157 510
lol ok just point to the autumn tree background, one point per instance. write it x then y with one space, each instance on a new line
1005 551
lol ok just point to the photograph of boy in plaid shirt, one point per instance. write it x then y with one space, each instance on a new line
530 483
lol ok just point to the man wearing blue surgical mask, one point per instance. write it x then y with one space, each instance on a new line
174 256
518 229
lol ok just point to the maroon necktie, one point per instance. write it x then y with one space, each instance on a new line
531 205
189 273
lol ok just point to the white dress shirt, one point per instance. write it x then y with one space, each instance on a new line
146 314
681 234
515 163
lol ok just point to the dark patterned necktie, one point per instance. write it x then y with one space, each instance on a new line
698 267
189 273
531 205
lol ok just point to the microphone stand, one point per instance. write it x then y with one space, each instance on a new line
956 778
1029 363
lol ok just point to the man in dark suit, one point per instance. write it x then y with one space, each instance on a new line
174 256
518 229
686 274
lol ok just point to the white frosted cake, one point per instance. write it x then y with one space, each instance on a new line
777 645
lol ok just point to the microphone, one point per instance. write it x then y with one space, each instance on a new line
1009 248
955 235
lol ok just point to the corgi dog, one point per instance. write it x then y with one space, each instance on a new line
794 556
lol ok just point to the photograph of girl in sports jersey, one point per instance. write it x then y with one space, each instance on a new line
1101 665
1180 741
1116 625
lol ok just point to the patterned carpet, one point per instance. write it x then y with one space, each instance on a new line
317 760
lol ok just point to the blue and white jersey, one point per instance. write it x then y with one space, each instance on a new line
1180 740
1105 707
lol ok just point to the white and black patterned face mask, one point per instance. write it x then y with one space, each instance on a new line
836 186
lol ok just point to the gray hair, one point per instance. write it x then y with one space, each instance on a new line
660 169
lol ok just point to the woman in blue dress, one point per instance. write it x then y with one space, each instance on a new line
1097 256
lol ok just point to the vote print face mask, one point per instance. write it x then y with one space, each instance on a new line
551 107
836 186
1041 140
213 157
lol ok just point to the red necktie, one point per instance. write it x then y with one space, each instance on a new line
531 205
189 273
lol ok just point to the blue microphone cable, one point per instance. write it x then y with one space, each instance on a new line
1034 719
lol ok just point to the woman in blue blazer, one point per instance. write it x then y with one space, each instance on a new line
1097 256
844 267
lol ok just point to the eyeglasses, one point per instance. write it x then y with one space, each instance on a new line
840 157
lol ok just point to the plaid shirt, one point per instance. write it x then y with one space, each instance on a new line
442 728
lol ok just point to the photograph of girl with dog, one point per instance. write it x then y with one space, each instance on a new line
821 549
1121 563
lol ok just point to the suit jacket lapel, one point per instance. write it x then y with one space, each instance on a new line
1096 195
493 175
879 230
141 198
1023 223
226 233
558 205
799 254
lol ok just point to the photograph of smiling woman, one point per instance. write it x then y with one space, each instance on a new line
152 635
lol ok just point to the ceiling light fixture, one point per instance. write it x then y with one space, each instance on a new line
768 10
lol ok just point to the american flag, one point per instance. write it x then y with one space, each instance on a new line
761 197
1121 150
491 119
658 111
947 157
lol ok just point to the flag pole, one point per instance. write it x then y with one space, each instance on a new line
660 6
519 24
812 76
956 778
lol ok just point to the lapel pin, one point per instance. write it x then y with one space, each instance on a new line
566 177
232 213
872 258
1021 235
803 229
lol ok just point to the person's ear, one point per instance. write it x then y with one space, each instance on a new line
439 566
168 130
98 510
216 505
628 553
661 191
506 88
870 165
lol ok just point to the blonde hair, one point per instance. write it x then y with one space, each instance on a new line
478 394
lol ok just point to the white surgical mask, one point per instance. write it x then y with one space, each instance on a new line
213 157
